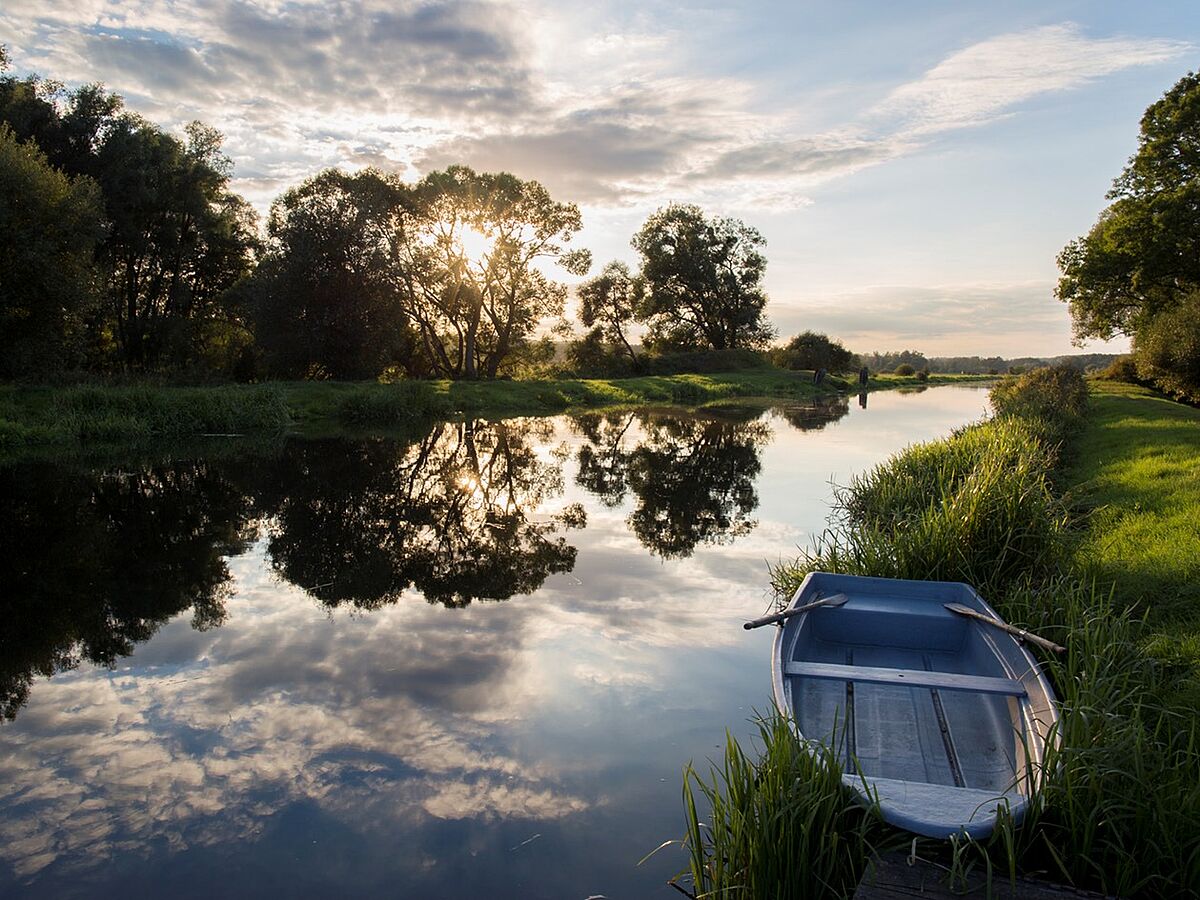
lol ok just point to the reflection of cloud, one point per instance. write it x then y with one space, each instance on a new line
199 754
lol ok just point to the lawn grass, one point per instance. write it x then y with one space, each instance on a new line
1136 476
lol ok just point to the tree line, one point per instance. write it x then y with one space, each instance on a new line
123 249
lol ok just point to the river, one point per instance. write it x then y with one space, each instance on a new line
469 664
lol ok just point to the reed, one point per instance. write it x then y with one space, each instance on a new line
782 825
130 414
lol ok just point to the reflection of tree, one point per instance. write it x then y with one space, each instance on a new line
819 413
449 515
693 477
93 563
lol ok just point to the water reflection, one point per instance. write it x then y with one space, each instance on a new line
522 749
93 564
96 561
452 515
692 477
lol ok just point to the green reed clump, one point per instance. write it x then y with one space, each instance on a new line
782 826
1055 398
398 403
976 507
129 414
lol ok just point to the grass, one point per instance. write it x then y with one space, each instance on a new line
111 414
1137 475
788 827
1119 808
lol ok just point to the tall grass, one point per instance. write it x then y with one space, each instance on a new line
398 403
783 825
1119 805
129 414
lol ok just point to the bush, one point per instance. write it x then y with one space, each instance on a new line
923 375
1168 350
703 362
810 350
1123 368
904 369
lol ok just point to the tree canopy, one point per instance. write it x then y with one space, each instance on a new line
49 226
703 281
810 350
609 302
324 299
1137 272
175 237
1143 254
471 266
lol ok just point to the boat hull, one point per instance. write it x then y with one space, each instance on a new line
940 719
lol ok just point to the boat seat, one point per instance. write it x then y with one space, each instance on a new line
947 681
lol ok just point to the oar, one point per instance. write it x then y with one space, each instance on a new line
835 600
1004 626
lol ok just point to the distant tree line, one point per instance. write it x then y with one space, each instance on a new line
122 249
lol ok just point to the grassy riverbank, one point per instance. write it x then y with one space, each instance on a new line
1119 806
71 416
1137 477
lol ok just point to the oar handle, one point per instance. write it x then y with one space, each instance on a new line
1011 629
788 613
1039 640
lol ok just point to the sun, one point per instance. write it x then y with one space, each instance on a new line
476 244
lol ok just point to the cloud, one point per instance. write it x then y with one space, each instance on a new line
1011 320
986 80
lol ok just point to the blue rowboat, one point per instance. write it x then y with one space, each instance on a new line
941 718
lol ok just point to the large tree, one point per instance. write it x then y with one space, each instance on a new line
176 238
49 225
703 281
326 299
472 266
1143 255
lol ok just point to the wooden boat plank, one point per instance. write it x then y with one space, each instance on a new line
950 681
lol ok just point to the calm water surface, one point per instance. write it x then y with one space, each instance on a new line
469 665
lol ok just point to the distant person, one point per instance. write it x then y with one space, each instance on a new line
864 375
819 376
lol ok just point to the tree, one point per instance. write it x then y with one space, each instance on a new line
609 302
326 299
1142 257
472 278
1167 350
175 238
809 350
703 281
49 226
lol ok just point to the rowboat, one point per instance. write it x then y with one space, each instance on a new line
939 717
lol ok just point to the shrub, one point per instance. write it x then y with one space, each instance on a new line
904 369
1168 350
1123 368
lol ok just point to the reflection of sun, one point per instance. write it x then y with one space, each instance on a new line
476 244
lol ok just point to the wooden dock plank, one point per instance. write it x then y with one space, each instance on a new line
892 878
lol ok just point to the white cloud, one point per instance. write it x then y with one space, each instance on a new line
987 79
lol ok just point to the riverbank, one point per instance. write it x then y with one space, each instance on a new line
1055 536
47 417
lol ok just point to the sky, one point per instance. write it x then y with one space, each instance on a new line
914 167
